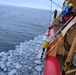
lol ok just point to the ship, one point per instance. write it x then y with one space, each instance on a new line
60 56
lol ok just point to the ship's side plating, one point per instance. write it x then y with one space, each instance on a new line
64 46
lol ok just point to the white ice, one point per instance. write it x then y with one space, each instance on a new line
22 60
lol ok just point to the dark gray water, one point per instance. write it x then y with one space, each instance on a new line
18 24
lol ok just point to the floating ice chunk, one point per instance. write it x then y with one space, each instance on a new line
9 69
6 54
2 65
38 68
9 59
2 73
4 58
2 54
8 64
10 51
29 68
17 65
12 72
5 69
37 62
35 73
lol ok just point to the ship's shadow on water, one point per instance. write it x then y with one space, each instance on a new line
19 24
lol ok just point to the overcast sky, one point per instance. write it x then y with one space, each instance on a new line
42 4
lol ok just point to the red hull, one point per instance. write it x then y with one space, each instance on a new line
51 66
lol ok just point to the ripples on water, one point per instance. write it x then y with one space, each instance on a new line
18 24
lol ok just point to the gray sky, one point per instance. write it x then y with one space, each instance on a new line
42 4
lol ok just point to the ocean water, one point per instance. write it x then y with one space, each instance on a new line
19 24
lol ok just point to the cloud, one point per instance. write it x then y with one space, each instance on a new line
43 4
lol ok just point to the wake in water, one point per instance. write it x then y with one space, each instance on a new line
22 60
